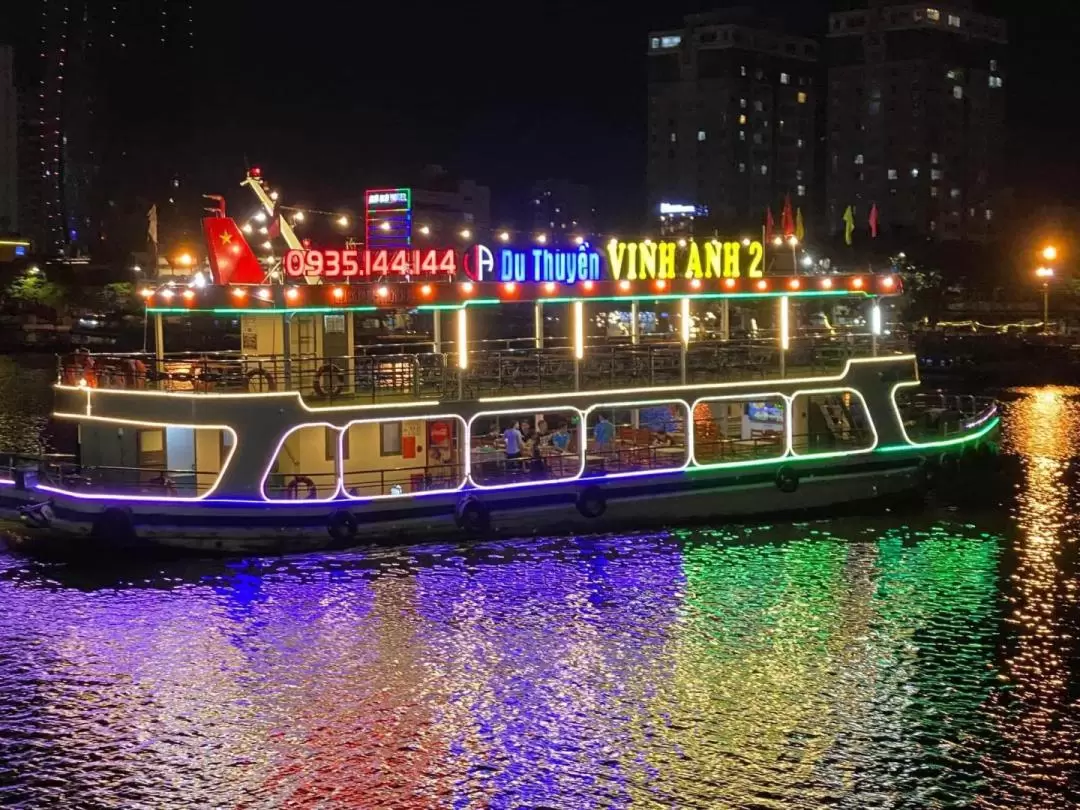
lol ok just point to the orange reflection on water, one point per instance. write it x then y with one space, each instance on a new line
1034 711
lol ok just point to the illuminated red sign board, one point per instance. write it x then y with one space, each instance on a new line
365 264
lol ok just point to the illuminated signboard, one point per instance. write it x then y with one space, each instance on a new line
388 217
365 264
569 266
677 208
668 260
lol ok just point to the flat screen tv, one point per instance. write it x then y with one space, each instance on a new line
771 413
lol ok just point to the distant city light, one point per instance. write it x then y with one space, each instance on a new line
807 261
1049 253
199 280
425 230
185 260
298 216
466 234
247 227
343 221
273 196
541 238
260 216
579 240
504 237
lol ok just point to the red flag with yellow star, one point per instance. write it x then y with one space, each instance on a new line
231 259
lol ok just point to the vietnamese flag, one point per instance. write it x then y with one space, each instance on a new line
787 219
231 259
873 220
769 224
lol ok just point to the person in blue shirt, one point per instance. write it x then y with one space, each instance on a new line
604 433
561 439
513 438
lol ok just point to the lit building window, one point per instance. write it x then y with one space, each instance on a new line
757 138
995 81
954 21
673 137
798 174
799 143
957 91
655 42
764 168
993 64
742 119
785 78
758 106
989 214
859 160
914 171
742 168
742 70
933 14
670 42
955 193
892 174
742 103
742 134
935 174
701 134
934 158
933 191
800 191
801 97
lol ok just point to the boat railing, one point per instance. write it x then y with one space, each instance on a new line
940 414
150 481
403 480
374 377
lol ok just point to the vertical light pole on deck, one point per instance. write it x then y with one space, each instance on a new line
538 324
635 335
875 326
286 349
785 337
436 331
159 337
577 309
725 320
462 348
684 335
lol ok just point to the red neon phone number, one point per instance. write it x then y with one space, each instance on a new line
349 263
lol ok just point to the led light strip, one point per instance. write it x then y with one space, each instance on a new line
932 444
655 390
645 404
427 417
838 453
742 398
492 488
274 458
6 482
146 424
965 439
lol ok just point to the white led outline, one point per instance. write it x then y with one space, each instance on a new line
838 453
143 423
277 451
699 387
639 404
517 411
754 461
937 442
359 498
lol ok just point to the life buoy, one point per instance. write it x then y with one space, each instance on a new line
472 516
331 387
259 380
591 502
787 480
302 481
342 526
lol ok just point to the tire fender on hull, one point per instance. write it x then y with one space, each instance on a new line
342 526
472 516
787 479
113 525
591 502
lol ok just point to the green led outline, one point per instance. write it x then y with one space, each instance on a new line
913 446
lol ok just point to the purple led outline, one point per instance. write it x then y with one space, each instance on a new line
6 482
644 403
990 413
277 451
358 498
557 409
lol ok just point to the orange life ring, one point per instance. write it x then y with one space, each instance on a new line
294 488
336 381
261 374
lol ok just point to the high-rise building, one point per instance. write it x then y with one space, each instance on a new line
916 118
9 167
100 105
731 117
561 208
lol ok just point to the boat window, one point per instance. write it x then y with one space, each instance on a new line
830 422
404 457
303 468
523 447
730 430
632 438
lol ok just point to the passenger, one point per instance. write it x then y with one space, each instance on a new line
542 431
604 433
514 440
561 438
663 438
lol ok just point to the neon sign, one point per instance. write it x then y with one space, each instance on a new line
669 260
388 217
394 199
537 265
350 263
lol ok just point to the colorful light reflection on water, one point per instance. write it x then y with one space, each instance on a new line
924 662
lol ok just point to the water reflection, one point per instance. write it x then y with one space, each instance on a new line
1038 717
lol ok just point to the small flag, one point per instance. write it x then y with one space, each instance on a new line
274 231
768 224
873 220
231 259
787 221
800 231
849 224
151 224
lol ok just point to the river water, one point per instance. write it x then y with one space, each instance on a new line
917 660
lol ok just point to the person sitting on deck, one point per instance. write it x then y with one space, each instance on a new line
604 433
662 438
561 438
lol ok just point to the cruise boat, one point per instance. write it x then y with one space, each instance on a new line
302 439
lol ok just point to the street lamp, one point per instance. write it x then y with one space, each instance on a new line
1046 273
1049 253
